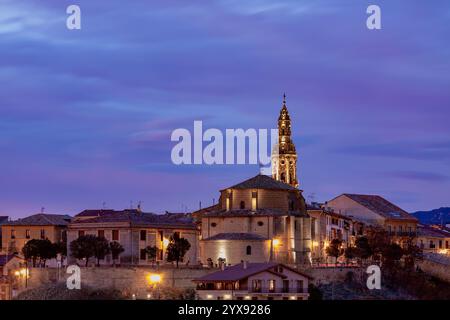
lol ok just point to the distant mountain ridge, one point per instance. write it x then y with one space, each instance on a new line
436 216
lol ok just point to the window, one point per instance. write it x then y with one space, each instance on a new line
285 285
42 234
27 234
271 285
115 235
440 244
256 286
299 286
161 235
213 224
143 235
101 233
13 234
446 244
254 200
432 246
242 205
143 254
80 233
260 223
249 250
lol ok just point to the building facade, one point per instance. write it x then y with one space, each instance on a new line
135 231
15 234
254 281
375 210
433 239
258 220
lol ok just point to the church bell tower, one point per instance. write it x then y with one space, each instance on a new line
284 164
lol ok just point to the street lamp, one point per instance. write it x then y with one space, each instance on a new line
154 279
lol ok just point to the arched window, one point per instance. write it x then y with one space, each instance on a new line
249 250
242 204
283 177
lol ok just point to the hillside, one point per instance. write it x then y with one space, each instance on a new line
436 216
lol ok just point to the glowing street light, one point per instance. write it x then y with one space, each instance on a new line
154 278
165 242
276 242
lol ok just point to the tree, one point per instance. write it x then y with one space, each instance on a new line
31 251
101 249
378 240
412 253
351 253
392 254
177 248
47 250
116 249
363 249
83 247
152 252
334 249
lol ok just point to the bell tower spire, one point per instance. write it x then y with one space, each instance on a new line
284 164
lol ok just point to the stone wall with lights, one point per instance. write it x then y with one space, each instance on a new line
130 280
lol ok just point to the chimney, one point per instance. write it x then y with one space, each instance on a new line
244 265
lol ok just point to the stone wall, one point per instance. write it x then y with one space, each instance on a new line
132 280
437 269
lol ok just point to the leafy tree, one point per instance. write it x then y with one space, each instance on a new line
31 251
83 247
61 248
47 250
101 249
351 253
392 253
116 249
363 249
152 252
378 239
334 249
412 253
177 248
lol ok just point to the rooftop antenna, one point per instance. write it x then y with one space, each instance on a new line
311 197
200 205
42 209
104 205
131 204
139 205
214 201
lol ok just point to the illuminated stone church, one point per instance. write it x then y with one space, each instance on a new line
260 219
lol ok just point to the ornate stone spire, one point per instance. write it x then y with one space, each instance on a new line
284 165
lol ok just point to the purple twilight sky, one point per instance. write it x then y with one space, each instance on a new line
86 115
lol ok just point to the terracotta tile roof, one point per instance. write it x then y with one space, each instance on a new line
236 236
381 206
237 272
42 219
261 181
427 231
137 218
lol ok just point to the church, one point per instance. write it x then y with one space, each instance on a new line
261 219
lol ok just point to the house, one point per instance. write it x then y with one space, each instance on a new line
254 281
327 225
15 234
3 219
258 220
135 231
433 239
10 263
375 210
5 288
